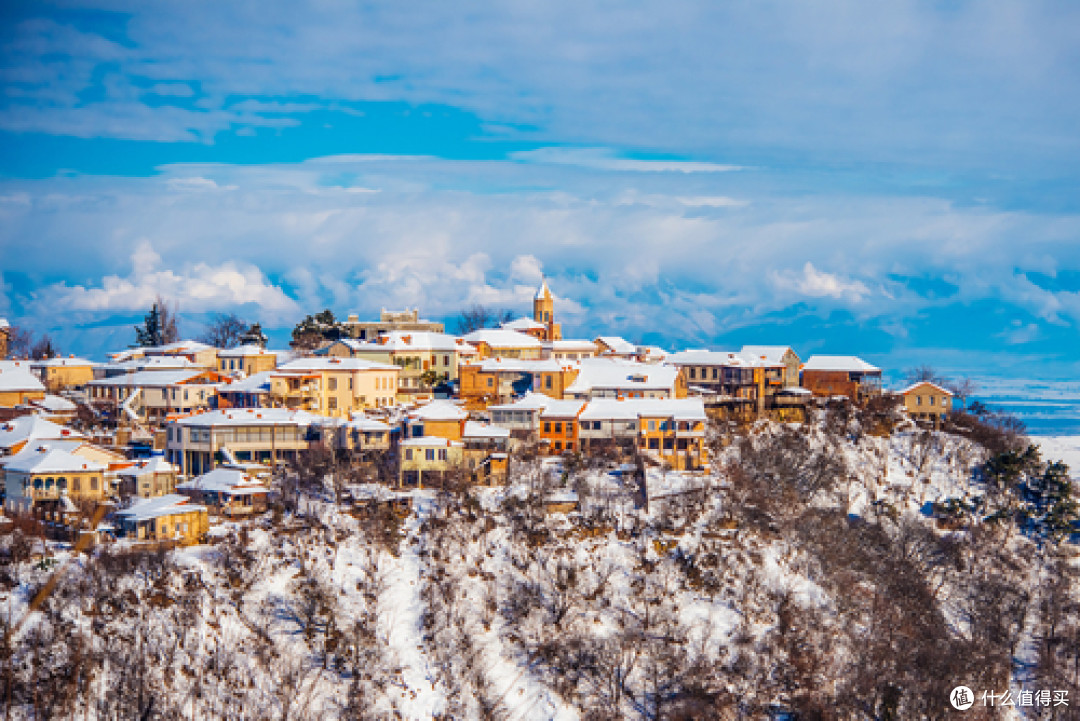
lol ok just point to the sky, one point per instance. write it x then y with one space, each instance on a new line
896 180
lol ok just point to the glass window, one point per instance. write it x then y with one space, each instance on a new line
429 454
408 454
442 454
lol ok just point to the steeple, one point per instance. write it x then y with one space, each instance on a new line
544 311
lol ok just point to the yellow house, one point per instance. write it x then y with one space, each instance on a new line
927 401
148 478
422 357
673 432
429 460
502 343
248 359
334 386
171 517
440 418
18 385
46 474
60 373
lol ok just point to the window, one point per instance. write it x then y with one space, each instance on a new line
442 454
693 373
446 360
332 384
490 382
429 454
76 485
652 425
654 443
931 400
93 483
408 454
547 382
331 404
918 400
558 427
547 427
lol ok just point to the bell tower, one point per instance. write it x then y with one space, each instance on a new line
544 312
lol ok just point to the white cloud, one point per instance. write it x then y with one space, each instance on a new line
818 284
200 287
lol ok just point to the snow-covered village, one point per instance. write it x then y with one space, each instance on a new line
539 361
386 520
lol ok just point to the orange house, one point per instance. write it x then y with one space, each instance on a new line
559 426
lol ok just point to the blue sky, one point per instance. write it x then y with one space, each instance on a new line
897 180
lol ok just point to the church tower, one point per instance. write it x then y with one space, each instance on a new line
544 312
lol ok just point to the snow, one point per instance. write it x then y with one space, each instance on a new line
1061 448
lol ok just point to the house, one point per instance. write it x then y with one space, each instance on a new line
569 350
147 478
927 401
246 359
407 321
498 380
126 366
429 459
836 375
45 473
426 359
198 354
54 408
613 346
60 373
559 426
198 442
502 343
153 396
776 355
333 386
227 491
670 431
442 419
616 378
521 417
361 433
486 453
171 517
18 384
250 392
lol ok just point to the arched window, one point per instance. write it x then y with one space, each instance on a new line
61 483
38 484
49 482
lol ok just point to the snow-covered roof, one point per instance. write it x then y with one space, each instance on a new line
254 383
180 346
618 345
523 324
561 409
502 338
528 402
52 460
32 428
702 357
154 464
4 323
54 404
570 345
419 340
153 379
167 505
333 364
150 363
440 410
246 351
680 409
61 362
520 365
16 376
225 480
250 417
920 384
611 373
431 442
848 363
475 429
363 423
771 353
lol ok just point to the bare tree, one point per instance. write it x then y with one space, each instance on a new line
479 316
224 331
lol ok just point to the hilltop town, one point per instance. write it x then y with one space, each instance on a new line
385 519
